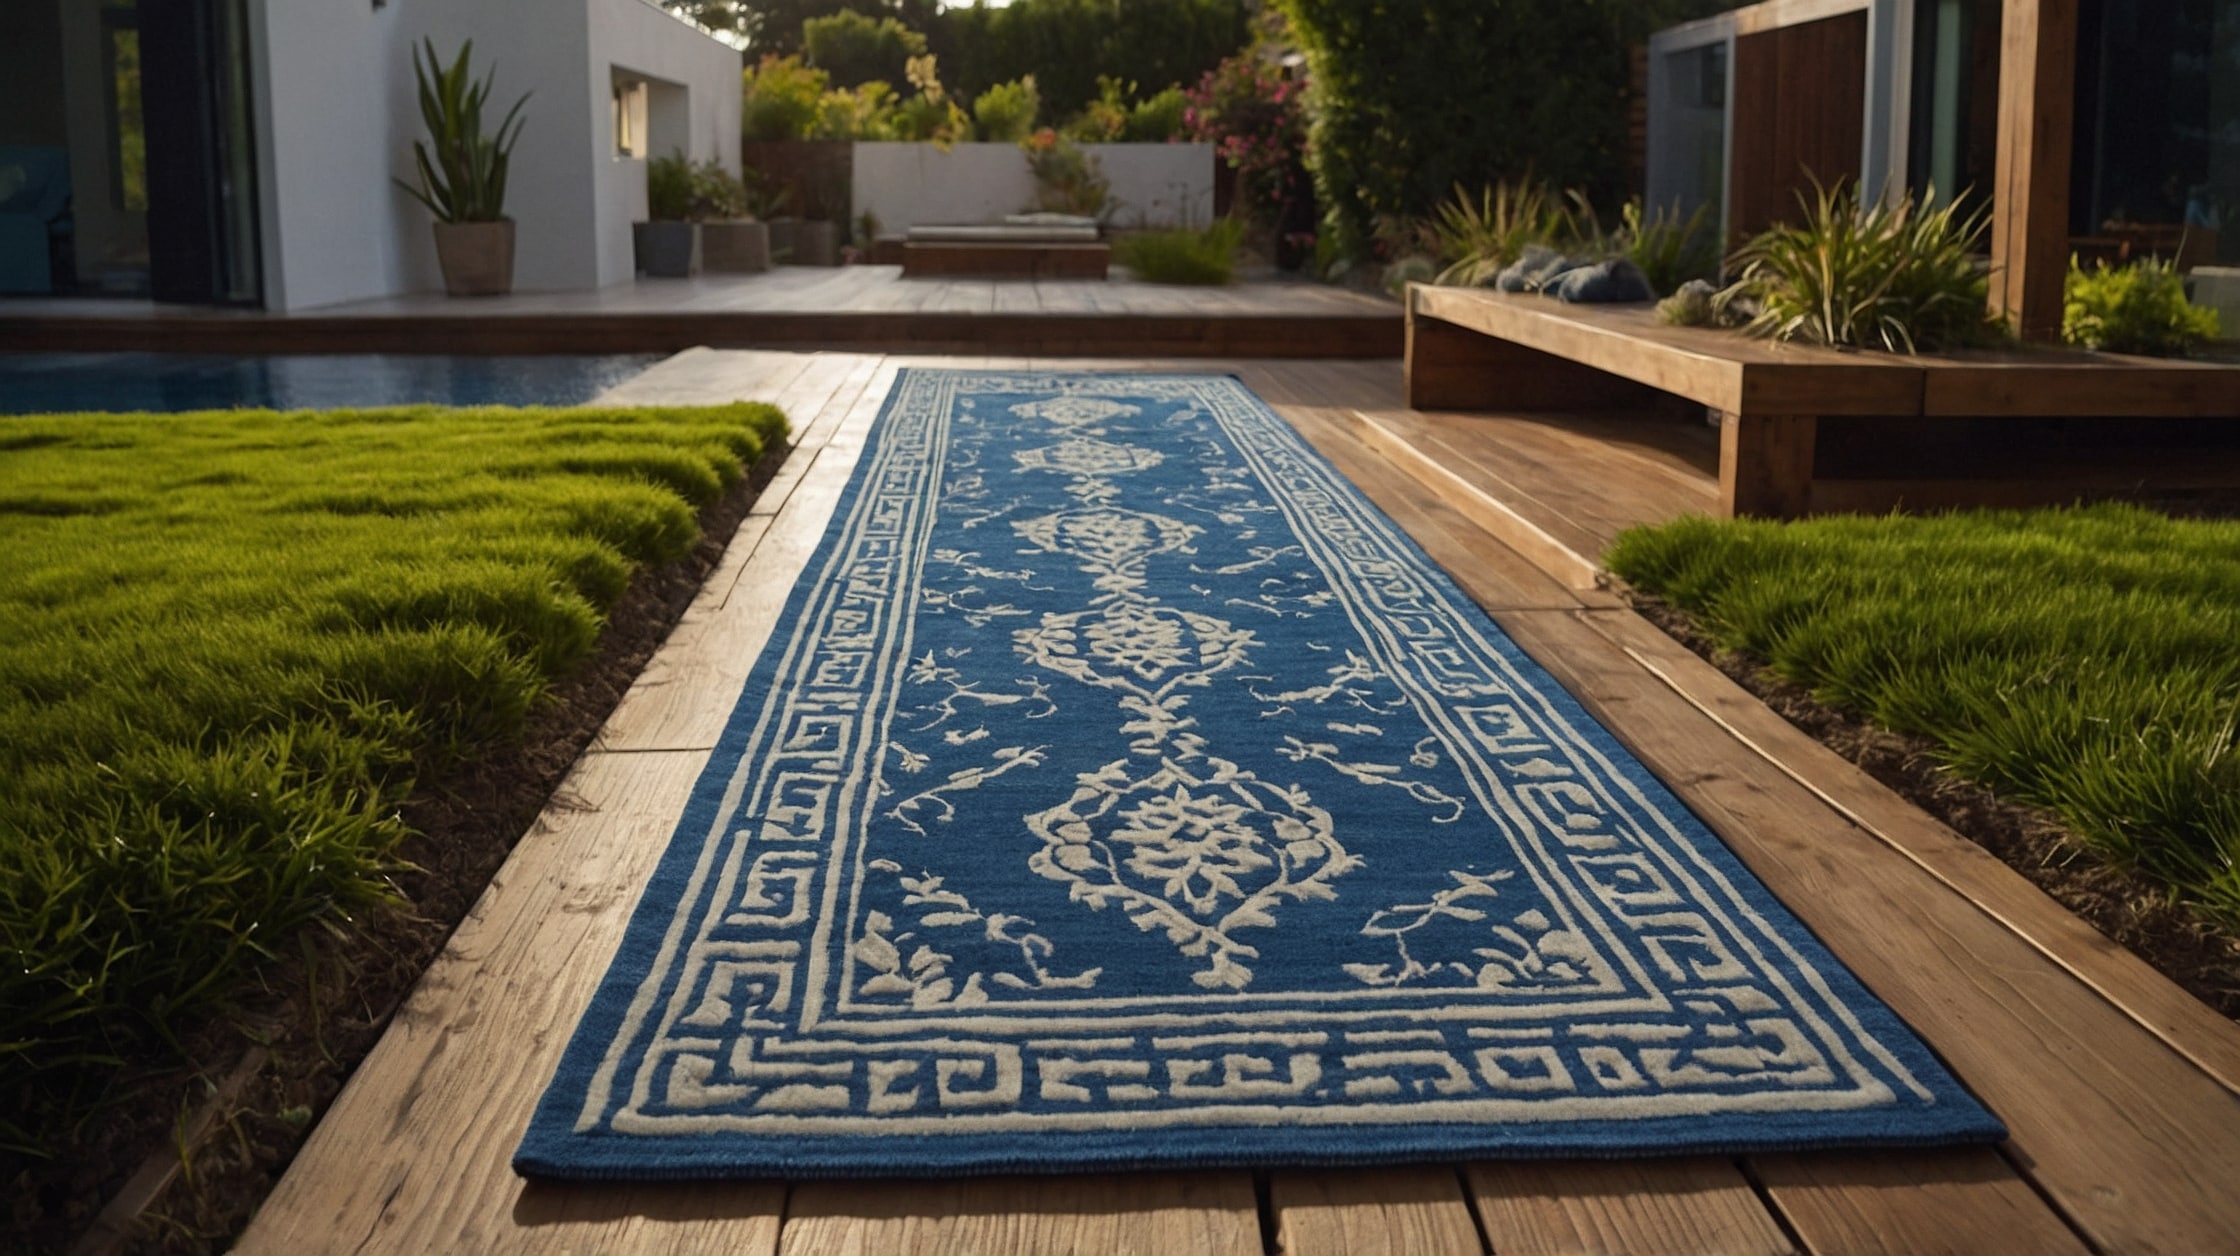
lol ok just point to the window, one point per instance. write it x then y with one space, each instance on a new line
629 117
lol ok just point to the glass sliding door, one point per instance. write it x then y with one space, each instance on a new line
2157 158
201 198
126 155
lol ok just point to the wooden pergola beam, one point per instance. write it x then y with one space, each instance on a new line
2030 208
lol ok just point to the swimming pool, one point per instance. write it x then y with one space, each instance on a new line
41 383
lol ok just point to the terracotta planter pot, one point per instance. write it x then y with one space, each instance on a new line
816 244
667 250
477 257
734 247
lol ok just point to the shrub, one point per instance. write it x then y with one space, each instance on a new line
1066 180
2140 308
855 49
1157 118
1252 115
669 188
930 116
864 113
717 193
1204 258
1893 275
1068 44
1006 112
783 100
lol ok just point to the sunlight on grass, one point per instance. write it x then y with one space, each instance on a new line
2083 660
230 641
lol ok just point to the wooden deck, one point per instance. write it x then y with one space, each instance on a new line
870 308
2119 1089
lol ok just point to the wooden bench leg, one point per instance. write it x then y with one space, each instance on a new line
1765 465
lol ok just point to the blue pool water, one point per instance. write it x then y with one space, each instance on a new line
39 383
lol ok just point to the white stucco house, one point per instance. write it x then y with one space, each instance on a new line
242 151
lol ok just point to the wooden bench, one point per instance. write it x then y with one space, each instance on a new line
1475 349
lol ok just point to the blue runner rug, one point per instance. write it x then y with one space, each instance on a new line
1122 789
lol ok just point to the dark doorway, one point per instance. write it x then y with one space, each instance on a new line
126 151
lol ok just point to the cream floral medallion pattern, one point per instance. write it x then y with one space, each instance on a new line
1123 789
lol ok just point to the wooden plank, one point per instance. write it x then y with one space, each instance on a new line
632 1217
1450 367
2129 1139
1765 465
414 1155
683 698
1583 478
2030 193
2054 383
1499 520
1957 1201
1706 365
1491 573
2181 1021
1579 1207
1213 1213
1414 1211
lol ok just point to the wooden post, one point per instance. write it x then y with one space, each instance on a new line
2030 202
1765 465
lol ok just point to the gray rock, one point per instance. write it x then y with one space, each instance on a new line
1614 282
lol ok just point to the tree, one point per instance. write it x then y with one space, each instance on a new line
773 27
1068 44
855 49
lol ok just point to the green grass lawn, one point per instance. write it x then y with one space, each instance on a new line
2085 660
231 641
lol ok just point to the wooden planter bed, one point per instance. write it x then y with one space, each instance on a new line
1807 430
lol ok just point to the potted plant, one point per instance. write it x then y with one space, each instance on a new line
816 238
668 243
733 240
462 174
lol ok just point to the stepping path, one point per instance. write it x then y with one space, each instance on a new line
2120 1090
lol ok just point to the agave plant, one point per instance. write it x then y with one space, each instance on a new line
1898 275
465 179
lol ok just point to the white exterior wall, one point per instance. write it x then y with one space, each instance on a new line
908 185
338 113
645 42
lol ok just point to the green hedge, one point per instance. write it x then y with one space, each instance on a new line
1407 104
1067 44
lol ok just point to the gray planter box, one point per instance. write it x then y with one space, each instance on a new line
668 250
734 247
782 239
816 244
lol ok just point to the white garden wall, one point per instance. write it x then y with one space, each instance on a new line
906 185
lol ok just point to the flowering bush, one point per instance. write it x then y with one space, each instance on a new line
1250 111
1066 180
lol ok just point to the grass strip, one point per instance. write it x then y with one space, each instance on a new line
231 642
2083 660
